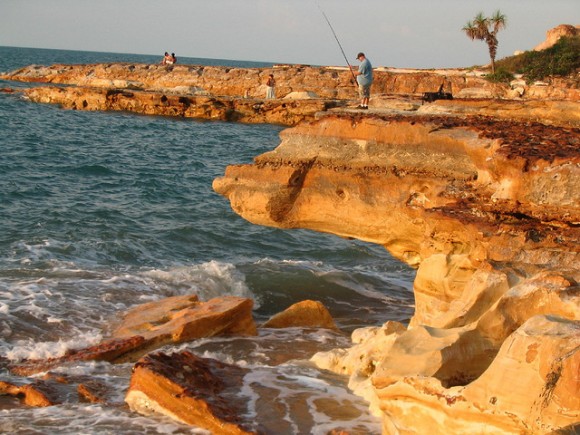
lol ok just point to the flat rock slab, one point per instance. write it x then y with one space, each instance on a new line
109 350
148 327
185 318
193 390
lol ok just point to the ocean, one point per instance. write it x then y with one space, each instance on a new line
101 211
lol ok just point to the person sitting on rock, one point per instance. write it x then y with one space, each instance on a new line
167 59
173 58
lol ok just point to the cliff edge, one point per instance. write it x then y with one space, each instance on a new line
487 210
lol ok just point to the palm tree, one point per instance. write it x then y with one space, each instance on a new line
485 29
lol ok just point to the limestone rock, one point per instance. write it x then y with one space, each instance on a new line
488 218
479 93
481 194
370 346
531 387
92 391
38 393
330 83
55 389
554 35
184 318
305 314
304 95
189 389
108 350
150 326
185 102
558 113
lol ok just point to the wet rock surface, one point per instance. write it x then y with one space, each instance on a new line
193 390
150 326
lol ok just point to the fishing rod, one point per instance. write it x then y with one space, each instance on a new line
337 41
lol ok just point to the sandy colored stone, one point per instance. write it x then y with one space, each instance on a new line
304 95
531 387
553 35
485 211
326 82
556 112
152 325
304 314
38 393
92 391
184 318
481 195
108 350
180 102
192 390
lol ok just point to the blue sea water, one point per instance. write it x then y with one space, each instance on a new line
100 211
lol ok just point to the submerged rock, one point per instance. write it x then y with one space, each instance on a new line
37 393
108 350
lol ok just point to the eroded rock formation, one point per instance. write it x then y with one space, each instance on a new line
488 212
554 35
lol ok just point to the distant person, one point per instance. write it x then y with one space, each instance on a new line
270 84
364 77
167 59
173 58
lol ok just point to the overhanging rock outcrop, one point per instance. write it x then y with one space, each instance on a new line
487 210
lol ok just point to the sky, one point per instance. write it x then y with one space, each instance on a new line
392 33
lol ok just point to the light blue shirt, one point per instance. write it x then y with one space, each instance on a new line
366 73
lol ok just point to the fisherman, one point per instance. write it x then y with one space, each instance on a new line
364 77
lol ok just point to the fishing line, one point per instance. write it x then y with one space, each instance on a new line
337 41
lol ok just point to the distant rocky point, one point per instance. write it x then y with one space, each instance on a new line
554 35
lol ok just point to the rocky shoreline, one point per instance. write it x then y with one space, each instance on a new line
480 193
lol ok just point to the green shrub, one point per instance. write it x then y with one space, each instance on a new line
501 75
562 59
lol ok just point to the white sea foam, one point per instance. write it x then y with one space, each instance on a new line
207 280
302 388
30 349
307 264
89 420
